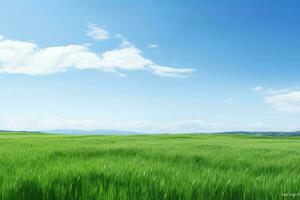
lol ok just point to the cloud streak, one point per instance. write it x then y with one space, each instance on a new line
152 46
170 71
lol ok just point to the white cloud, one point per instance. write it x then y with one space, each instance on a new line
97 33
128 58
286 102
257 89
170 71
1 37
27 58
152 46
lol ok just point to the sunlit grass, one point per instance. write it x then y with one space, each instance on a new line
41 166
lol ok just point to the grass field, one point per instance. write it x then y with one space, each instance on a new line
203 166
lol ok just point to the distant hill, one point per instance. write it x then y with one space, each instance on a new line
120 132
90 132
268 133
10 131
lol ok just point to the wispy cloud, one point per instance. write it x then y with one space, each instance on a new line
257 89
272 91
152 46
124 41
170 71
229 99
1 37
28 58
97 33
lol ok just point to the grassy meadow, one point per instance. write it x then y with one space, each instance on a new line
195 166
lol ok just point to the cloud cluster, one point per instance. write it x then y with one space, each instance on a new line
283 100
286 102
24 57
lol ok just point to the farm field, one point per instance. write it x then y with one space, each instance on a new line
193 166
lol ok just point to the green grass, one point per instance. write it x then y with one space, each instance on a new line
41 166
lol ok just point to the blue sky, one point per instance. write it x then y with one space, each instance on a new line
152 66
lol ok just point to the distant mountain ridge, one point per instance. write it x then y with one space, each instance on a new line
120 132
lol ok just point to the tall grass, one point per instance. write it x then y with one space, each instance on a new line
34 166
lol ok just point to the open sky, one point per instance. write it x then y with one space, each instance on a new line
152 66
